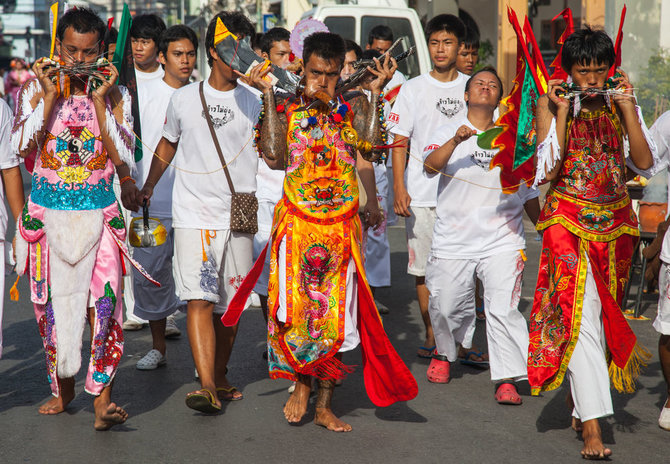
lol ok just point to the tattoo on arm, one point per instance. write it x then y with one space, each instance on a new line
366 123
273 134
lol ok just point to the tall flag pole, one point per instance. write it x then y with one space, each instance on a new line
123 60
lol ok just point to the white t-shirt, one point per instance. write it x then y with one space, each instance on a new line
142 76
199 200
424 104
154 96
7 160
660 132
474 221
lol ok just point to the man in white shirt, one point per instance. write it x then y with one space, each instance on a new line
423 104
210 260
13 185
478 233
274 47
661 133
177 49
145 31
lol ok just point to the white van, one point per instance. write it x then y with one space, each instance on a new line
354 22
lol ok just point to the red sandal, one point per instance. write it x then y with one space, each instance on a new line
438 371
506 393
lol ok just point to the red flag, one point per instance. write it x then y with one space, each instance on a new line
558 71
617 44
514 171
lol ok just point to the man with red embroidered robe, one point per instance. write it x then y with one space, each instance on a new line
589 234
319 301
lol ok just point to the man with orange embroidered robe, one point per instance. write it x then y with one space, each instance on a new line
319 301
590 233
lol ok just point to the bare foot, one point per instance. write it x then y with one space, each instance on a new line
108 416
55 405
593 443
325 418
296 406
576 423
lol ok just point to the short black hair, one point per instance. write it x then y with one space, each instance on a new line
110 37
174 33
326 45
256 40
235 22
471 38
491 70
587 46
380 32
447 23
370 54
351 46
276 34
82 20
147 26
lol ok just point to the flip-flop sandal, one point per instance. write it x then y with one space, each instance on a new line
428 349
228 394
203 402
506 393
469 362
439 369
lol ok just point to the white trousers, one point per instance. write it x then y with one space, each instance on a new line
377 255
155 303
662 321
128 294
451 283
587 369
351 335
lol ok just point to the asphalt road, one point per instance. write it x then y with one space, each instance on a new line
459 422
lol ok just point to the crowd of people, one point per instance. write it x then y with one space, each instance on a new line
288 223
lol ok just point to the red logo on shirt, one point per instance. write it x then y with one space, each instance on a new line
431 148
393 117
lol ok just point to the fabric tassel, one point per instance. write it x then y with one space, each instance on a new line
28 128
14 291
328 369
122 140
392 145
548 154
623 380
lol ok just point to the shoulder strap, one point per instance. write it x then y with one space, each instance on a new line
214 138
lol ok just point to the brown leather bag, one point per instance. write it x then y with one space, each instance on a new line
244 206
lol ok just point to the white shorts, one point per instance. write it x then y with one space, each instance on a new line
154 303
265 215
351 335
662 321
419 230
210 264
451 283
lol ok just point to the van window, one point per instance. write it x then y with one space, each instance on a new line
402 29
344 26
